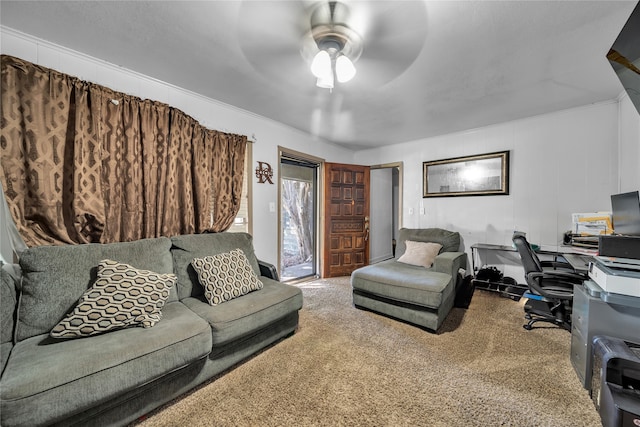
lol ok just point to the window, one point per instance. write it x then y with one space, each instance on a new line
242 222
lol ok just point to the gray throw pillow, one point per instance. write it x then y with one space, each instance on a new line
226 276
121 297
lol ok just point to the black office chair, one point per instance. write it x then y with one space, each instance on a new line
550 283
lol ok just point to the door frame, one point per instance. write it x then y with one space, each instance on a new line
286 152
400 167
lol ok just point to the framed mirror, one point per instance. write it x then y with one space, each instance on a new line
479 175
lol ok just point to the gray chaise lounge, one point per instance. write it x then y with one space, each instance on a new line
418 295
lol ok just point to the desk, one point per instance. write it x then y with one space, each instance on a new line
579 262
509 259
476 248
506 256
596 312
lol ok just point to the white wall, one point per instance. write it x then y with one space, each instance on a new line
561 163
381 215
629 155
268 134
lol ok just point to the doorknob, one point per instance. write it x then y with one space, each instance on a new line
366 228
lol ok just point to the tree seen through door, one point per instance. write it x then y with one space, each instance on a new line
298 202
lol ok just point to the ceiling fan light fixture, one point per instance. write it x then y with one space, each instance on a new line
345 70
321 65
325 82
330 45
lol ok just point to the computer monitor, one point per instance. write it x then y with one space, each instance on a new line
625 209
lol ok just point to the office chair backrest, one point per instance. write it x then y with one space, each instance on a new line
530 260
555 287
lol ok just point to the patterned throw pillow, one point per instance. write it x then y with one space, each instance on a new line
226 276
123 296
421 254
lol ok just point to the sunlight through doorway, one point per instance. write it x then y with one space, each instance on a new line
298 218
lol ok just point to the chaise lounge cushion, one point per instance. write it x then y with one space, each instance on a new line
244 316
403 282
450 240
43 372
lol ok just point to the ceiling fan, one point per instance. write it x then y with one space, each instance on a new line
379 39
334 45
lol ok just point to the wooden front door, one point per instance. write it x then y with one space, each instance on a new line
346 222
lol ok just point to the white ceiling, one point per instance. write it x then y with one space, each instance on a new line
428 67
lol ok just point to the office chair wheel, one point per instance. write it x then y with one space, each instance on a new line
528 327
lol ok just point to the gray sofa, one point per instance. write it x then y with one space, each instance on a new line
415 294
115 377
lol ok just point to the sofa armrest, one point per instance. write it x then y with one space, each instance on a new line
268 270
450 263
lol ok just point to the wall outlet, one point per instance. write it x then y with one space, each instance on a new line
421 211
410 211
272 206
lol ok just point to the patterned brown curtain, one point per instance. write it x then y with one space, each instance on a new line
228 162
81 163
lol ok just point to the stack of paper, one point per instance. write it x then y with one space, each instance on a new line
591 224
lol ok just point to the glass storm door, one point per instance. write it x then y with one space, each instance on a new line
298 192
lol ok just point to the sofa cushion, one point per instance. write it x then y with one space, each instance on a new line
5 351
8 281
8 303
123 296
243 316
54 277
402 282
186 248
226 276
46 379
421 254
450 240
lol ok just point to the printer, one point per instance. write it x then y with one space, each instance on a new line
615 381
616 275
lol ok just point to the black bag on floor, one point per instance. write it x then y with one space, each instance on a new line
465 293
489 274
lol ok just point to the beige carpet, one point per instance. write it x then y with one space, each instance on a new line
351 367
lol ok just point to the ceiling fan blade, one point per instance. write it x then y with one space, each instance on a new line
394 36
271 39
274 34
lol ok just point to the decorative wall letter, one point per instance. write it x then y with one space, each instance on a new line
264 173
